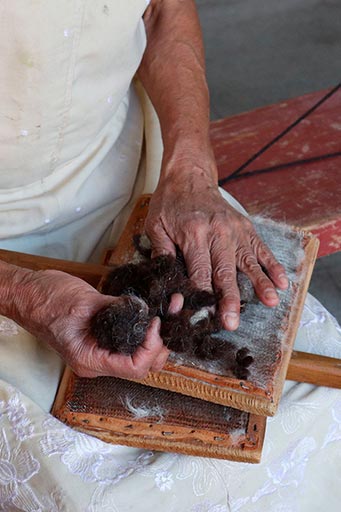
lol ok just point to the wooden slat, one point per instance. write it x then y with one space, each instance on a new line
303 367
315 369
202 439
307 196
89 272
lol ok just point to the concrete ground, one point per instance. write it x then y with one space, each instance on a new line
259 53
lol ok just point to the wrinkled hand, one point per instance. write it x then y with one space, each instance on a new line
57 308
215 239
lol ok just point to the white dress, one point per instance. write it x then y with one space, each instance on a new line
72 163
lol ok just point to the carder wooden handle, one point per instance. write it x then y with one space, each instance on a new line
303 367
89 272
315 369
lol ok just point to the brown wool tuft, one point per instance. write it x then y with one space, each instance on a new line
145 291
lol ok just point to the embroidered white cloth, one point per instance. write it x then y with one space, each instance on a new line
46 466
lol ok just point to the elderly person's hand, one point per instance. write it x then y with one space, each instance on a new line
215 239
57 308
187 208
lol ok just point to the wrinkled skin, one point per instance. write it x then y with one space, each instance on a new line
214 238
186 210
57 308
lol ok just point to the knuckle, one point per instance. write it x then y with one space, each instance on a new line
220 225
247 261
277 267
198 215
263 252
257 244
248 226
219 218
270 263
265 258
201 273
139 373
263 282
197 226
232 299
225 274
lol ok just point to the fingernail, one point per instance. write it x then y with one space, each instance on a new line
270 293
157 323
231 319
283 278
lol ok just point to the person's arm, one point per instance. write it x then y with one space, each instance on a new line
57 308
187 209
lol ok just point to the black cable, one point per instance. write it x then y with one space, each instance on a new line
285 165
235 173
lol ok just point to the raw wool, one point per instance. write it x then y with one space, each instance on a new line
199 315
121 326
112 397
236 435
144 242
112 322
260 326
197 339
227 413
140 409
8 327
144 247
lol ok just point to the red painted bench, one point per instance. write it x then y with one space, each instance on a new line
307 195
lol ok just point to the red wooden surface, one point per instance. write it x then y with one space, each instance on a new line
305 195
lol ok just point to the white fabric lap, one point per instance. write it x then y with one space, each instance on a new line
65 470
